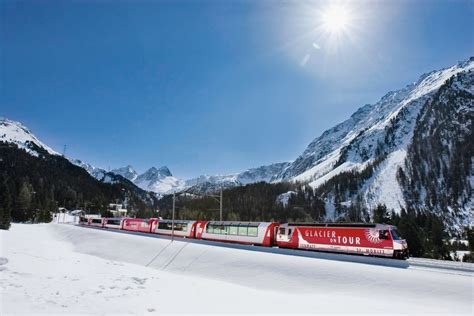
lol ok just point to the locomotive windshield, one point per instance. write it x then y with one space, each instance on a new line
395 234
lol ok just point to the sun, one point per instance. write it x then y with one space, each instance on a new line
336 19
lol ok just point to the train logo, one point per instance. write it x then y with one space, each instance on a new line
373 236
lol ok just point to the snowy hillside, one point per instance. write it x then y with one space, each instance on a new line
442 180
15 133
63 269
376 136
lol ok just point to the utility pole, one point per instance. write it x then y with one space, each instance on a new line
220 206
216 197
172 218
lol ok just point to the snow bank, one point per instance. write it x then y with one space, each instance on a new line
55 268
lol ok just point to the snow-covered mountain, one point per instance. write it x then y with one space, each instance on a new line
161 180
158 180
266 173
207 183
371 146
98 173
127 172
438 172
15 133
54 179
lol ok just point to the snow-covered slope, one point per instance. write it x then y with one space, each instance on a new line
378 133
438 169
15 133
64 269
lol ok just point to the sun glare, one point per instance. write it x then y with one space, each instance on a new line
335 19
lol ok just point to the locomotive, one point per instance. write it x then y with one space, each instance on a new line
352 238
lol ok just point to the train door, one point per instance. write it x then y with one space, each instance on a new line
153 225
193 230
284 234
275 234
200 226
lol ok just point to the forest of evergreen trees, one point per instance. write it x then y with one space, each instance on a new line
253 202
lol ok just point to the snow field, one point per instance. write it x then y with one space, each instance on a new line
56 268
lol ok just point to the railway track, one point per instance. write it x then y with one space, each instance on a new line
412 263
441 265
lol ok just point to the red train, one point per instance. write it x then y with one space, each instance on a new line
365 239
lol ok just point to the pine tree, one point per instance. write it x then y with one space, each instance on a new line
5 206
381 214
24 197
414 236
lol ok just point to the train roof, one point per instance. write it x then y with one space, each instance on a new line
237 223
176 221
356 225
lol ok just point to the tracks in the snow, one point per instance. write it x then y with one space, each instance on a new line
416 263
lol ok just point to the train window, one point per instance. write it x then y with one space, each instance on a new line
383 234
233 230
395 234
162 225
253 231
289 232
113 222
97 220
243 230
282 231
222 229
177 226
216 229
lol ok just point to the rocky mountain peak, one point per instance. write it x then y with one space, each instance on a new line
128 172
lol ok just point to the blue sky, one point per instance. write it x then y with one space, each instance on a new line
211 87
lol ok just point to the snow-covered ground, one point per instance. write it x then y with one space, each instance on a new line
64 269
